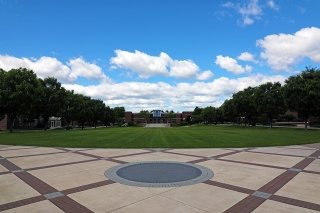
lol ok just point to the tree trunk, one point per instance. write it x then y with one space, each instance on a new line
270 120
306 124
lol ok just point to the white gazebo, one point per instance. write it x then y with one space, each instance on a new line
54 122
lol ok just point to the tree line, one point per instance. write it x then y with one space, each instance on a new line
269 101
25 96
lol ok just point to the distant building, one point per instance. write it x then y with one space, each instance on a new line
54 122
156 116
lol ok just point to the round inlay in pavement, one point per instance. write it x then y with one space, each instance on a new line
159 174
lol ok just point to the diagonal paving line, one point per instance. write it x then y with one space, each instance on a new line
63 202
252 202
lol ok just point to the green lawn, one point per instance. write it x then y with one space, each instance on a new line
176 137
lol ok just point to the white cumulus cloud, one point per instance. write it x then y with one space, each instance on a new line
231 65
146 65
246 56
282 51
52 67
182 96
250 10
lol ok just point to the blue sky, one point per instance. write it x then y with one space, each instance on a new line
160 54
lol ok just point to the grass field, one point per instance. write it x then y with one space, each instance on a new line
176 137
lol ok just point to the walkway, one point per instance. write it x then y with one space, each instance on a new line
274 179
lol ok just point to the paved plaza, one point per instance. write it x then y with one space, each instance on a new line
272 179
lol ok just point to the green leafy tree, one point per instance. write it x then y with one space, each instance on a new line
229 110
144 114
269 100
302 93
109 118
119 114
19 90
245 105
98 111
197 115
209 114
51 100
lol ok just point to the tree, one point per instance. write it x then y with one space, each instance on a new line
144 114
119 114
51 99
196 115
2 93
208 114
302 93
229 110
269 100
98 111
245 105
109 118
20 88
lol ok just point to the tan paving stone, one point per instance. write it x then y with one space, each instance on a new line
39 207
204 197
113 152
273 206
13 189
3 169
34 151
97 167
201 152
110 197
274 160
158 156
4 146
248 176
304 187
65 177
314 166
46 160
158 204
17 147
286 151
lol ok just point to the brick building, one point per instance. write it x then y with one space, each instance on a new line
156 116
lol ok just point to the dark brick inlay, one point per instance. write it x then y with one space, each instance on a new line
304 163
88 186
133 154
189 155
248 204
277 183
254 164
230 187
61 164
8 165
36 183
69 206
296 202
23 202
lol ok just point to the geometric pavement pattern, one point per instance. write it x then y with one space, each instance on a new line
265 179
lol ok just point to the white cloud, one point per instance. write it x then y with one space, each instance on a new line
249 10
142 63
183 69
271 4
282 51
146 65
81 68
246 56
231 65
205 75
52 67
182 96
